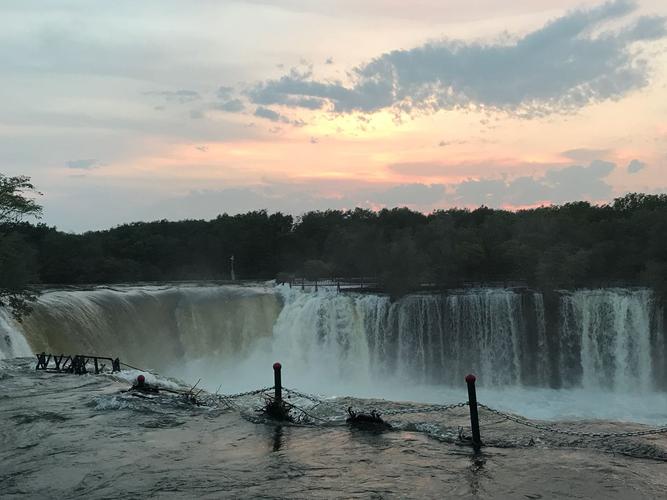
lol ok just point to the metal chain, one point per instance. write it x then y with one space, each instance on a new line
519 420
242 394
310 397
435 408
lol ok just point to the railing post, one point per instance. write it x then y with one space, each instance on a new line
277 383
474 416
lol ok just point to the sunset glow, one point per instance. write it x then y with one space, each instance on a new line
337 105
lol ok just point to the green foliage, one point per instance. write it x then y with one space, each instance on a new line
16 203
573 245
402 264
315 270
17 256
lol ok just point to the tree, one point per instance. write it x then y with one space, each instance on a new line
15 202
17 262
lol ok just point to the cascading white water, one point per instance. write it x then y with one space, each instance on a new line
322 336
596 339
152 327
12 342
542 354
611 330
420 338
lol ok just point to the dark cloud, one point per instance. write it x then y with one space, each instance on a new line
636 166
183 96
269 114
567 64
556 185
274 116
86 164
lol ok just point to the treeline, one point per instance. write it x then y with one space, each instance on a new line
572 245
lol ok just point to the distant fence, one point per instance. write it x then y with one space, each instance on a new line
372 284
340 285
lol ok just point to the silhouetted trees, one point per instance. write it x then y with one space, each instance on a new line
17 257
572 245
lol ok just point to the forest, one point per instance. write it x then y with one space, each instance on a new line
572 245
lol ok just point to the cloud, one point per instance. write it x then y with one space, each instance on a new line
224 92
295 198
183 96
274 116
196 114
565 65
585 154
231 106
444 143
86 164
269 114
636 166
556 185
410 194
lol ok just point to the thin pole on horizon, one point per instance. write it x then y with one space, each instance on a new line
231 260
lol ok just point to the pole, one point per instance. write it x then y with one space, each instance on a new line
277 383
474 416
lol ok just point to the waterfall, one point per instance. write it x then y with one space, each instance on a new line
12 343
423 338
322 336
152 327
610 339
609 331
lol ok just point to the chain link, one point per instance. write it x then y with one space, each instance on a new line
547 428
248 393
434 408
310 397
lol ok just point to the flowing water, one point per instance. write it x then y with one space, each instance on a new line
587 360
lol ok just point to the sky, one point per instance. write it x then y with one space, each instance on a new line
172 109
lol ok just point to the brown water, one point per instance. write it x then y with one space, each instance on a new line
67 436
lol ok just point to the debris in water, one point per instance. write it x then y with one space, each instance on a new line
371 420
